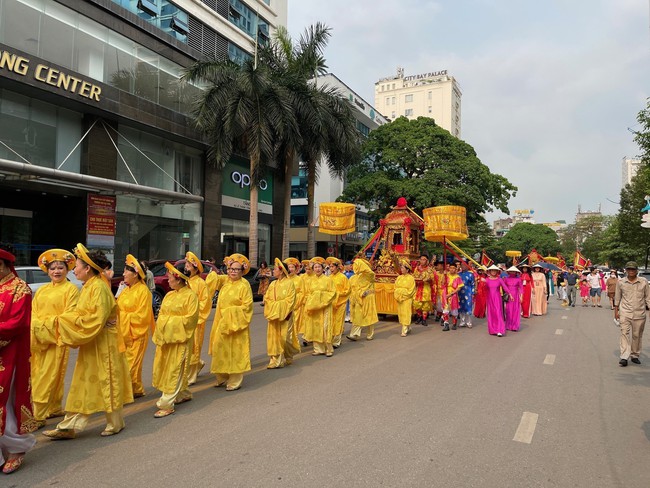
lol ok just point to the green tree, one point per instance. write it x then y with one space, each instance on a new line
525 237
424 163
642 136
242 109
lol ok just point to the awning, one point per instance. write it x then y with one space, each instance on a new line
31 172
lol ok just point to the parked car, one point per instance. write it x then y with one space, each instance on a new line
159 271
35 277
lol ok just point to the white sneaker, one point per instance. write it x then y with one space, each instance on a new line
499 334
469 326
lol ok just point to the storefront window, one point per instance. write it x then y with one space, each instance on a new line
235 236
42 133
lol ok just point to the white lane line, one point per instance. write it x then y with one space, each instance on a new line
564 317
549 359
559 331
526 428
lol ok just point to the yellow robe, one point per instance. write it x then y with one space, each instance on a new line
306 279
404 292
342 284
175 327
230 346
279 302
298 309
363 309
318 309
136 320
101 381
422 299
49 360
199 286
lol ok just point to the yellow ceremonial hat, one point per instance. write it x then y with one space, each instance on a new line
405 262
172 269
132 262
191 258
52 255
306 263
82 253
333 260
241 259
281 265
317 260
293 261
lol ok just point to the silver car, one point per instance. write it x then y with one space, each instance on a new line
35 277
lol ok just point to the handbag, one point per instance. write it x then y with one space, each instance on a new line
505 297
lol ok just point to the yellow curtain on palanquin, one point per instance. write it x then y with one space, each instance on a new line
446 222
336 218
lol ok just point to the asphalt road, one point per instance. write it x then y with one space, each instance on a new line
547 406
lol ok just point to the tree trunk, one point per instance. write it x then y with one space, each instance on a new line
311 230
288 173
253 244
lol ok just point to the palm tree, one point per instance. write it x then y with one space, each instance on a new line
324 117
242 109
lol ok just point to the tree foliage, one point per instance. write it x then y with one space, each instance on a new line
424 163
525 237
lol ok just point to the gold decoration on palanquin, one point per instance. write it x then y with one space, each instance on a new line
513 254
447 222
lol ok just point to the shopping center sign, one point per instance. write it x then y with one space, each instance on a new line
236 188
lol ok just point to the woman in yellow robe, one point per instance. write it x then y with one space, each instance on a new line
230 346
194 267
101 381
293 267
135 319
404 292
342 285
49 360
175 328
305 278
279 300
363 309
318 310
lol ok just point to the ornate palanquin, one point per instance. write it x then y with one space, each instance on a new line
398 237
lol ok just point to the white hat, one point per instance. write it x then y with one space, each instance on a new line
513 269
494 267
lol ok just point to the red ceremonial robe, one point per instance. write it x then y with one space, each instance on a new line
527 281
480 301
15 319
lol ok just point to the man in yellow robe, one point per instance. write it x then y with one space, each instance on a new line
230 335
135 319
194 267
175 328
49 360
422 300
306 278
404 293
101 381
279 302
342 285
362 300
318 310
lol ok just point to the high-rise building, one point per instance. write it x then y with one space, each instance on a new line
435 95
96 140
629 166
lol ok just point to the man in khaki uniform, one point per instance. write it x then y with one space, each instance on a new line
631 301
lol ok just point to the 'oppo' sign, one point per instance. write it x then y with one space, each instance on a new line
243 179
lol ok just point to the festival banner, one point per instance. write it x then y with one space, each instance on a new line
485 259
100 225
579 261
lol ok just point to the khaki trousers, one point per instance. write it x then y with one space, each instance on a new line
631 348
79 421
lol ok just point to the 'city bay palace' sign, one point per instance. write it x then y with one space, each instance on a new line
49 75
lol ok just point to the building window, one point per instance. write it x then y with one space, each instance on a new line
429 95
387 100
249 21
430 110
299 216
408 112
392 115
299 186
408 98
364 129
393 100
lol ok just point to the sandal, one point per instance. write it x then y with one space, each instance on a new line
230 388
107 433
163 413
58 434
183 400
13 464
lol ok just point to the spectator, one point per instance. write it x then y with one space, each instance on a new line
631 300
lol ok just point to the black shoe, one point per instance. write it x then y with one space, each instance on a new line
623 362
636 361
424 322
453 327
446 327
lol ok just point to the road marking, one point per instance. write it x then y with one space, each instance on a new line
559 331
564 317
526 428
549 359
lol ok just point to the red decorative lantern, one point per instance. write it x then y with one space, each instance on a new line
401 202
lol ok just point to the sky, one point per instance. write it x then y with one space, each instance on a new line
550 89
